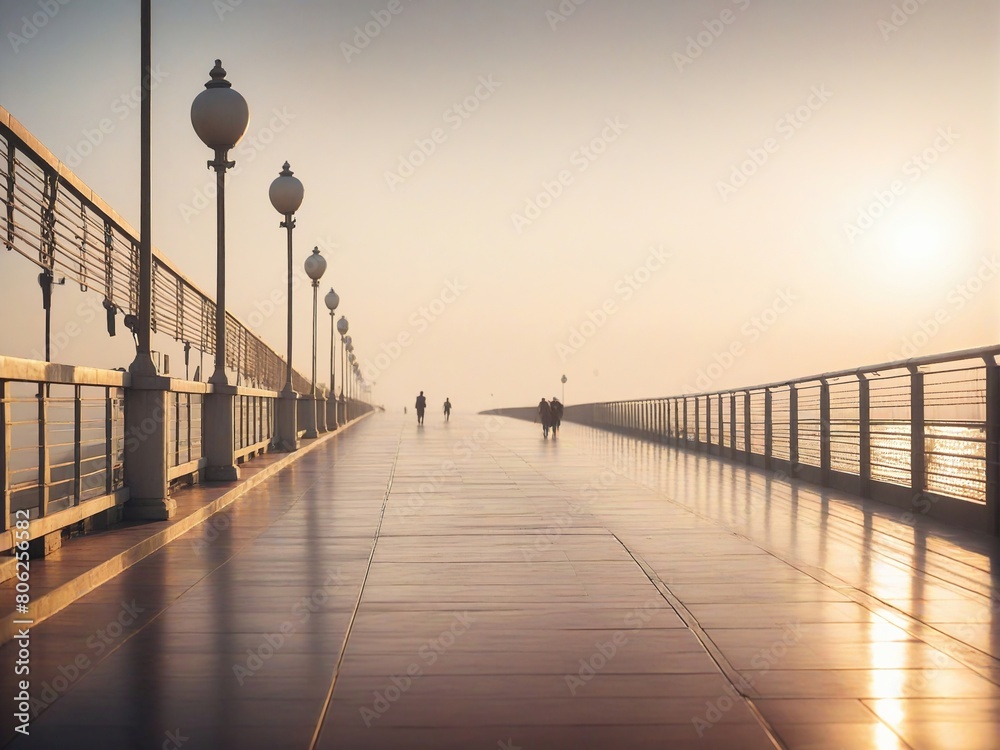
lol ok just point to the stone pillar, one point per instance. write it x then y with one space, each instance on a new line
220 445
287 437
321 425
147 420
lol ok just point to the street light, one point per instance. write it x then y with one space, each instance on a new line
350 359
563 381
220 115
315 266
342 328
332 299
286 196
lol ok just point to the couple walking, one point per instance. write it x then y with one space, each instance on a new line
421 405
550 414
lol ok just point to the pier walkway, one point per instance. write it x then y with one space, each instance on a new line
471 585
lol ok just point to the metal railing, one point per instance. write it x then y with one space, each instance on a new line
77 441
62 444
922 433
52 219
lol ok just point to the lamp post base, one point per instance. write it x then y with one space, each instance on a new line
309 418
287 437
321 425
219 418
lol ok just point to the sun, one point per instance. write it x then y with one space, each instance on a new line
924 235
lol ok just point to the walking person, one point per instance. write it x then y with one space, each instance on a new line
447 409
421 405
545 416
557 412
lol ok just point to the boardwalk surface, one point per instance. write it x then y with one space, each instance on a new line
471 585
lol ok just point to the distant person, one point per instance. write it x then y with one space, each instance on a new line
545 416
447 409
404 410
421 405
557 411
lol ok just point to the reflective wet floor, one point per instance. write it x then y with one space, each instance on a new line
473 585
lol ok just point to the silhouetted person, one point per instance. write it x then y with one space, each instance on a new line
447 409
421 405
557 411
545 415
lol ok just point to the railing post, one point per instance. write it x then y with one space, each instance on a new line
44 470
793 429
109 441
697 423
5 446
825 433
686 442
768 428
77 444
732 425
747 442
918 478
147 419
708 424
722 429
864 435
993 445
176 397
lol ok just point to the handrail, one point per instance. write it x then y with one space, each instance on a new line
182 310
986 353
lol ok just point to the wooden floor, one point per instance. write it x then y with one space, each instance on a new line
472 585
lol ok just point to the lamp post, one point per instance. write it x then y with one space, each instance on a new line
342 328
563 381
332 299
315 266
286 196
350 361
219 115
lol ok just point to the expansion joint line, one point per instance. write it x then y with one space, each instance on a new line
729 672
357 604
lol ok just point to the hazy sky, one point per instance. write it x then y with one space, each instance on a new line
618 191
